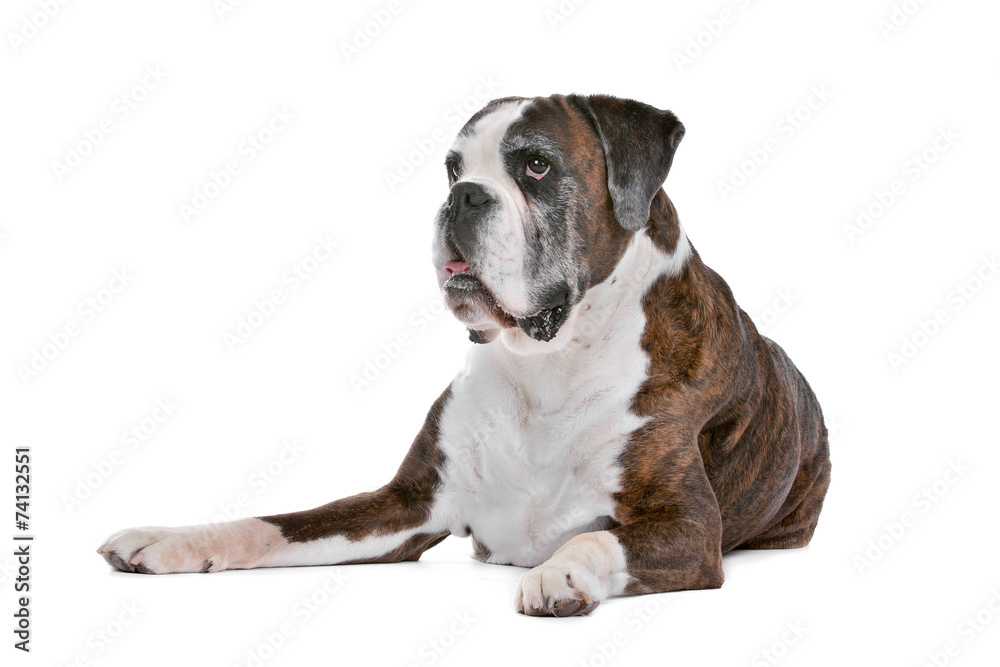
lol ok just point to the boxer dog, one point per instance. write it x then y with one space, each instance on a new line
620 423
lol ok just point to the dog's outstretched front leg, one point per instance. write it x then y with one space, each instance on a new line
395 523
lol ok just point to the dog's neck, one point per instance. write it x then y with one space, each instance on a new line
587 353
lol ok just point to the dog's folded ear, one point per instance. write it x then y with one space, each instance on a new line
639 143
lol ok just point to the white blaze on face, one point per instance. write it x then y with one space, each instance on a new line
499 261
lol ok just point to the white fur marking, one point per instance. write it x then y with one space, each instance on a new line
587 568
241 544
482 163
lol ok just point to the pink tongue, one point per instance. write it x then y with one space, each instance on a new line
456 267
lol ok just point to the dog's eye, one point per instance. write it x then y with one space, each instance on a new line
537 168
453 171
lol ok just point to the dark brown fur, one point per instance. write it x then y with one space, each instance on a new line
735 454
601 240
405 502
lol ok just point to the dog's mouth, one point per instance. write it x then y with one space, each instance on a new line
461 281
472 303
466 294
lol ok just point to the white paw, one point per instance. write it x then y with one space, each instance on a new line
164 550
558 587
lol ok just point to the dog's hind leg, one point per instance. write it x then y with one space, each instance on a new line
796 529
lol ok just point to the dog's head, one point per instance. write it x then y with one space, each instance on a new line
545 195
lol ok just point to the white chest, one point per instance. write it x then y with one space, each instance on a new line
533 441
525 479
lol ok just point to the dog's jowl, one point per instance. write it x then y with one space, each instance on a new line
620 423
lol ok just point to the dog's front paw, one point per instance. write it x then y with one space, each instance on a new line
558 587
163 550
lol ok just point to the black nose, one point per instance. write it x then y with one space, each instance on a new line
471 204
467 194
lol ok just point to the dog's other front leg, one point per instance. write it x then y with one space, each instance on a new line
395 523
670 538
651 556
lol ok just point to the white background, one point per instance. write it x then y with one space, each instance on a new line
869 589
